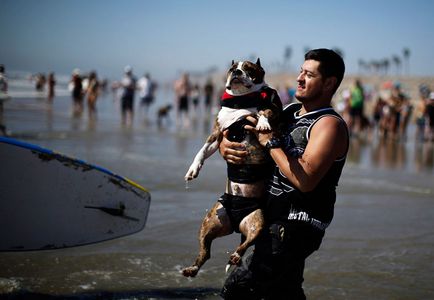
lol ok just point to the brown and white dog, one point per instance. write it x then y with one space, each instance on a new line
239 209
163 113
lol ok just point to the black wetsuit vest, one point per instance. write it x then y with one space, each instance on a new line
258 167
287 203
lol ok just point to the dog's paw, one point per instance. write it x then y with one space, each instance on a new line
189 176
263 124
190 271
235 259
192 172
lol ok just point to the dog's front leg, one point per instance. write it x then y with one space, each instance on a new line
208 149
215 224
263 121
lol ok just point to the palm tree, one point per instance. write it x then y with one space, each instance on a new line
406 53
385 65
397 61
362 65
376 65
287 56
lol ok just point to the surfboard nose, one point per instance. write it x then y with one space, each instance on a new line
50 200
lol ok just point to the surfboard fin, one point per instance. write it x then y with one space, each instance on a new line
110 210
117 212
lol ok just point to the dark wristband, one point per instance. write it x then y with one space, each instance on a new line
273 143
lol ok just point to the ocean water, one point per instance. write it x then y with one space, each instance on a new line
380 244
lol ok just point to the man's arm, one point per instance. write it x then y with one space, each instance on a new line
327 142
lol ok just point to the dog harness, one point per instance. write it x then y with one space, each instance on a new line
261 168
261 99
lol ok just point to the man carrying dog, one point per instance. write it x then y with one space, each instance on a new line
309 153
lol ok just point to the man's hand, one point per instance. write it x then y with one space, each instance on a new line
232 152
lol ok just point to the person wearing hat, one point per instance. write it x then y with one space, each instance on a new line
128 85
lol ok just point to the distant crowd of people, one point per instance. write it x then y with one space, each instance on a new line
188 95
391 114
129 85
41 81
85 88
388 114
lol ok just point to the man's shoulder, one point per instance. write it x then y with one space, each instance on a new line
290 110
331 124
292 106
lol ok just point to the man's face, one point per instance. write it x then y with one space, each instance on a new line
310 82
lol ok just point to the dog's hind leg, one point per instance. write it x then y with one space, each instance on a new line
215 224
251 226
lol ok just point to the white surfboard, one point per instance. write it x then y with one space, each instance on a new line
49 200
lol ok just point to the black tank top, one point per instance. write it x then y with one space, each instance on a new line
286 202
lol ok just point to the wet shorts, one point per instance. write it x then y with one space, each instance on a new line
238 208
127 104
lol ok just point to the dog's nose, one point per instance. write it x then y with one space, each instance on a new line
237 72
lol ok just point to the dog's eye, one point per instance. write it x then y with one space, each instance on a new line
249 70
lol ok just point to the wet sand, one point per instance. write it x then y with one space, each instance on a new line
380 244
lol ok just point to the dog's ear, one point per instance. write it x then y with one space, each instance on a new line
258 62
232 62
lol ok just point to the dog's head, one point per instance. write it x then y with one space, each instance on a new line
244 77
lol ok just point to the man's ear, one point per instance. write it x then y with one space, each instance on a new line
330 84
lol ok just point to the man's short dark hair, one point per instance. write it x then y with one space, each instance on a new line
331 63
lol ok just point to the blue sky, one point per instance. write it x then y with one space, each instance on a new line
165 37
